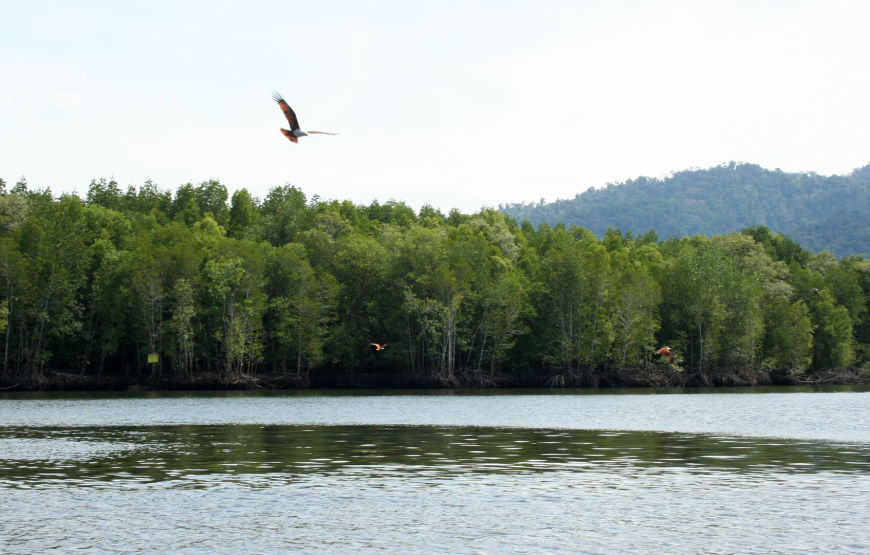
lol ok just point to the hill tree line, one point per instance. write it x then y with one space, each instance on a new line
822 213
291 290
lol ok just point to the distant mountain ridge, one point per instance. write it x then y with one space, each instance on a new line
820 212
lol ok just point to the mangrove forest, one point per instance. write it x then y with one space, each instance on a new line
191 288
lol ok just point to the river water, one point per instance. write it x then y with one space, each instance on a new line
763 470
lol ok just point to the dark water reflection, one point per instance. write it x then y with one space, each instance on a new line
199 456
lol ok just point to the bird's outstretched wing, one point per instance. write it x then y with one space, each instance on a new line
321 133
289 135
288 111
666 352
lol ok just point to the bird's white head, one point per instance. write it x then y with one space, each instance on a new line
299 133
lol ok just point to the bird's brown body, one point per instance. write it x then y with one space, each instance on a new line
378 346
667 353
294 132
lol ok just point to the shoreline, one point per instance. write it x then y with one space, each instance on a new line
58 381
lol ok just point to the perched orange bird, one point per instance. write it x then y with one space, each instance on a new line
666 352
378 346
294 133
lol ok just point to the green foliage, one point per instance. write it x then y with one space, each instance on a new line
578 276
104 193
778 246
285 213
302 305
702 283
788 339
833 339
4 315
13 210
242 214
635 314
302 286
211 198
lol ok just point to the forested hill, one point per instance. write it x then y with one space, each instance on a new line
721 200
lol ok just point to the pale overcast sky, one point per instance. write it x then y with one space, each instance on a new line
452 103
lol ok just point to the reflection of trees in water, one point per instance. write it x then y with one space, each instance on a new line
166 454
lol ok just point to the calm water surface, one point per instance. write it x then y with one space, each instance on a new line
755 471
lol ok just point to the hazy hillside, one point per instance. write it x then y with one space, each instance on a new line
821 212
844 232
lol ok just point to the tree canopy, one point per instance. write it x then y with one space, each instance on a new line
238 287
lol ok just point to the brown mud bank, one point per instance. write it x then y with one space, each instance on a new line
50 380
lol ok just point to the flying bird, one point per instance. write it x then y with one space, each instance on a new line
378 346
666 352
294 132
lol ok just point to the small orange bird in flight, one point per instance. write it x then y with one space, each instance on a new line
378 346
666 352
294 133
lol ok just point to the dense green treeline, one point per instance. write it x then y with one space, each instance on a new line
822 213
241 287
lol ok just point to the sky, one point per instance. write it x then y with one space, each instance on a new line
456 104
